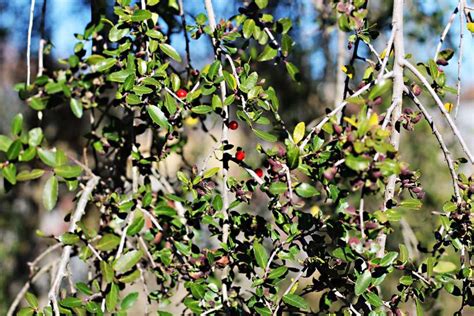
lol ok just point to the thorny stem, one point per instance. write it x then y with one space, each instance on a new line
224 140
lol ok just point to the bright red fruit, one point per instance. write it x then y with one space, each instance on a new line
181 93
233 125
240 155
259 172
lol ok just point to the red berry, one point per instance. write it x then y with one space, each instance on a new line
259 172
233 125
240 155
181 93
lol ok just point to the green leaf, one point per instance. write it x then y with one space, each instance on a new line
306 190
265 136
14 150
260 254
137 225
293 155
388 259
32 299
268 53
298 132
129 300
170 51
116 34
230 80
262 4
26 175
71 302
293 71
278 272
249 83
107 271
68 172
277 188
5 143
129 278
35 136
373 299
50 193
127 261
119 76
158 116
141 15
444 267
9 173
105 64
201 109
111 299
248 28
295 301
211 172
363 282
48 157
108 242
17 124
358 163
263 311
26 311
380 88
76 107
69 238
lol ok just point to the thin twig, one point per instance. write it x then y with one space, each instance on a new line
50 249
446 30
28 47
295 280
450 121
66 254
460 56
316 128
27 285
444 148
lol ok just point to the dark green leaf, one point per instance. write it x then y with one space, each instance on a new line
170 51
363 282
295 301
306 190
260 254
50 193
127 261
76 107
68 172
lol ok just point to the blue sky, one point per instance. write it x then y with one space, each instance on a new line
69 20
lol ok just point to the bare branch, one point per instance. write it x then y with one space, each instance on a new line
66 254
440 104
439 138
316 128
224 140
28 47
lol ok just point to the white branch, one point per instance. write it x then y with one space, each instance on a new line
440 104
224 140
28 48
66 254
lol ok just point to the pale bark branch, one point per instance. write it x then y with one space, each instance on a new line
66 254
224 140
28 47
440 104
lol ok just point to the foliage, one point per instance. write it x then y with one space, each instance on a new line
197 228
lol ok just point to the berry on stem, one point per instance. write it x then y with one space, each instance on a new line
233 125
240 155
259 172
181 93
